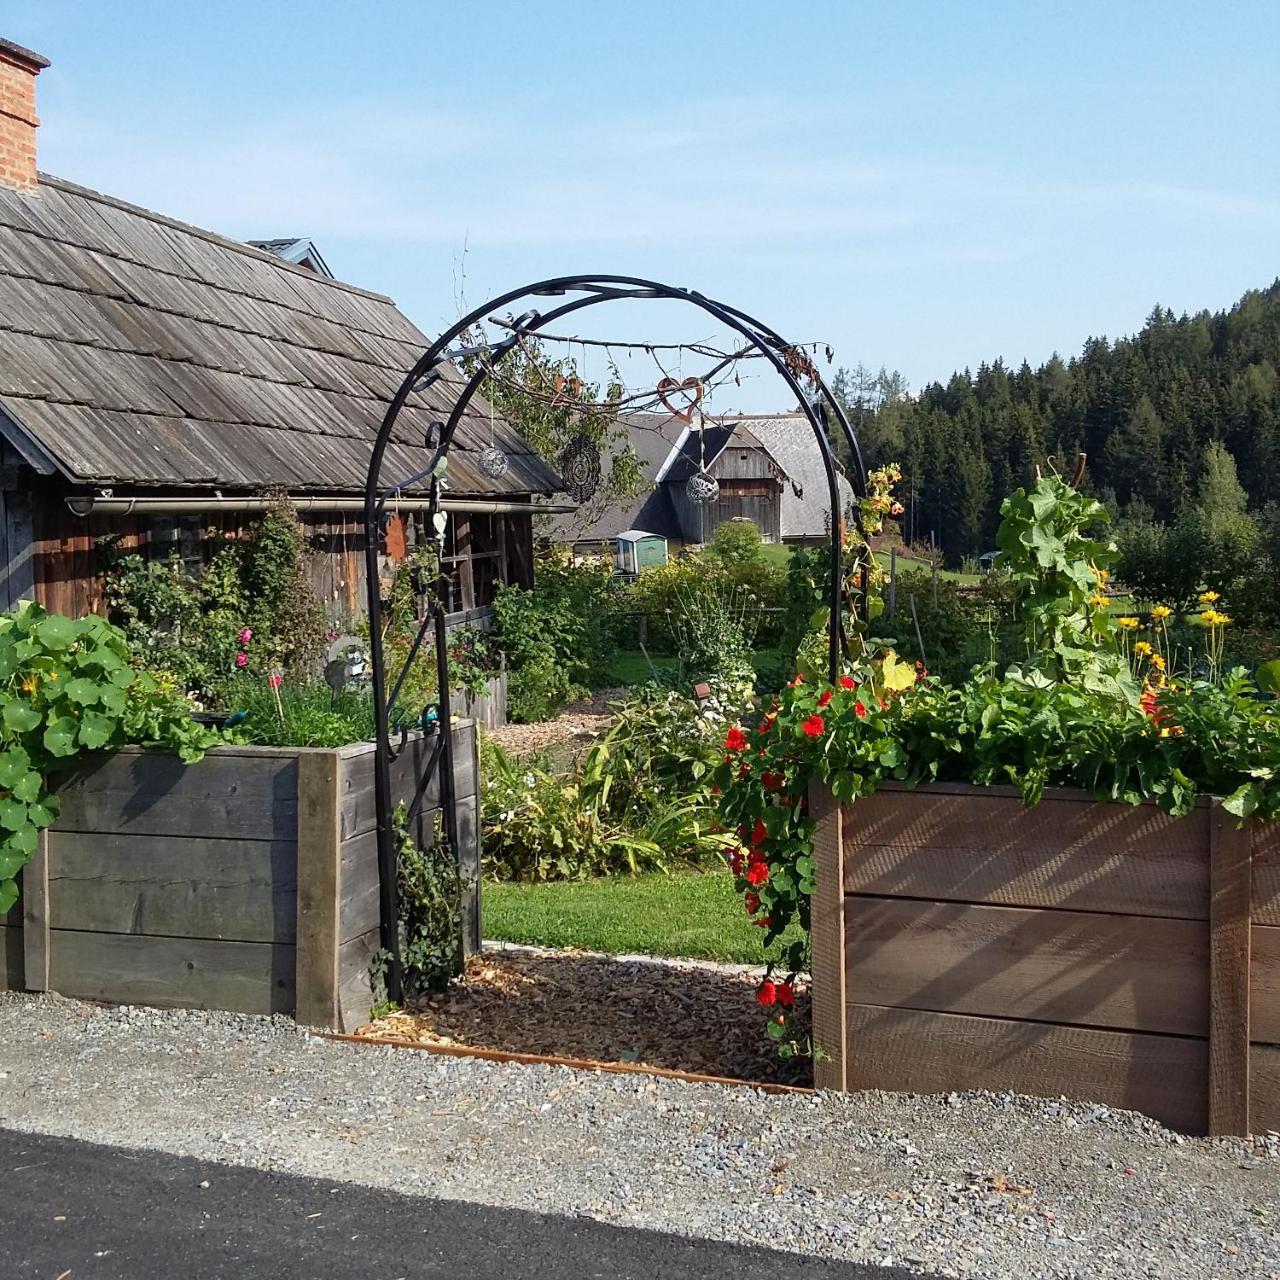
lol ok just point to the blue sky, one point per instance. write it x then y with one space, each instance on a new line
921 185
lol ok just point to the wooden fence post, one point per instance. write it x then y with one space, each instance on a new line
1230 890
35 916
830 967
319 888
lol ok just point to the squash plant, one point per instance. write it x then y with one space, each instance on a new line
68 686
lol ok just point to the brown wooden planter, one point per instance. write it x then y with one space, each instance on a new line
248 881
1103 952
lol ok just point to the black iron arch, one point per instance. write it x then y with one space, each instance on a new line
787 360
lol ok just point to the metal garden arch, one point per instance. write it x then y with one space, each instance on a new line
791 364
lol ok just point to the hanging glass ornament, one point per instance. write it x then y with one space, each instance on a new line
492 461
580 468
702 487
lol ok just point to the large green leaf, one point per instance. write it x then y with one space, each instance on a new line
60 736
96 730
55 632
13 814
8 895
14 765
20 716
83 690
1268 676
28 787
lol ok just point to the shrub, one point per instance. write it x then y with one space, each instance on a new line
737 541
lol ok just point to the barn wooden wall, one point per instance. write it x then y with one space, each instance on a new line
750 488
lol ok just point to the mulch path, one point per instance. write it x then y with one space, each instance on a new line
579 723
573 1005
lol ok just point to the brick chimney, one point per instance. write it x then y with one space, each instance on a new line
18 122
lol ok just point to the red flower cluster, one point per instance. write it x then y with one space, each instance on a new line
735 739
825 699
848 682
770 993
813 726
771 781
860 710
757 871
759 834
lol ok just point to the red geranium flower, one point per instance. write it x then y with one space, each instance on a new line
860 710
752 902
848 682
813 726
826 697
765 922
735 739
771 781
758 872
767 994
786 994
759 834
735 862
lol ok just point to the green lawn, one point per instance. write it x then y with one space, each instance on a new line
684 914
918 569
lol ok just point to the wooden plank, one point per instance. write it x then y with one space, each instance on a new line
359 906
359 812
12 974
1264 984
228 794
830 971
1264 1089
235 890
1073 967
1266 872
971 846
1230 892
911 1051
319 888
355 992
35 917
192 973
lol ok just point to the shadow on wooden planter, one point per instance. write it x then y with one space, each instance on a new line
248 881
1104 952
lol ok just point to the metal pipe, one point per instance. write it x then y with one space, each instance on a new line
83 506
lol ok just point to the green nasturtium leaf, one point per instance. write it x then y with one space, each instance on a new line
96 730
113 698
55 632
14 765
83 691
44 813
20 716
8 895
60 736
13 814
28 787
23 840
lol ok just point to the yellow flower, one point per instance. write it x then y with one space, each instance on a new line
1142 649
51 675
1160 612
30 684
1212 618
1208 597
1157 661
1102 575
1129 624
1098 600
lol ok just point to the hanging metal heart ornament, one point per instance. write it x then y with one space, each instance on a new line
689 392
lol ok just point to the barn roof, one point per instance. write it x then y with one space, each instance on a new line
806 502
137 350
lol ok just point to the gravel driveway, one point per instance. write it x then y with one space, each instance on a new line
966 1185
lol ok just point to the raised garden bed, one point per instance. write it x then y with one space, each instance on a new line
247 882
1100 951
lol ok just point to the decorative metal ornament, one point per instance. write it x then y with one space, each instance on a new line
492 461
580 468
702 487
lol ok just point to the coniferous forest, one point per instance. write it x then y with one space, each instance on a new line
1153 412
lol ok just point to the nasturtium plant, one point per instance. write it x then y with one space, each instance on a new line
68 686
1099 702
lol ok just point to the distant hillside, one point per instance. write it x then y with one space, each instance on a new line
1143 408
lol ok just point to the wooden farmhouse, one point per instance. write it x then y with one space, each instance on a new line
768 469
159 381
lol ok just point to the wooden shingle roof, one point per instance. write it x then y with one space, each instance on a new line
138 350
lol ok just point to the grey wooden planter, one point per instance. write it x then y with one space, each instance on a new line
248 881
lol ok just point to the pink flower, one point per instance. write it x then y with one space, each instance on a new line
245 636
275 679
242 659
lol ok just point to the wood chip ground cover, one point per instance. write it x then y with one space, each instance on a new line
569 1005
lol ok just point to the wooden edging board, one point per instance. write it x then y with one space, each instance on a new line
544 1060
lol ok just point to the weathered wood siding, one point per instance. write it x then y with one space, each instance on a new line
247 882
1105 952
750 487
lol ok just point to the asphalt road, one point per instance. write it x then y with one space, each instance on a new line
74 1210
